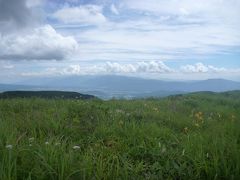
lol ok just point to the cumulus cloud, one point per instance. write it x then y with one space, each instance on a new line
113 67
201 68
140 67
156 69
153 67
85 14
73 69
42 43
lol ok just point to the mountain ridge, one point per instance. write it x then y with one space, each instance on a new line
109 86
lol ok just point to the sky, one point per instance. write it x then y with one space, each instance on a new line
159 39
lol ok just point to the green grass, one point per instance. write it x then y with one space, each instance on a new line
195 136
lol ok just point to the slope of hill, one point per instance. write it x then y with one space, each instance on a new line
45 94
192 136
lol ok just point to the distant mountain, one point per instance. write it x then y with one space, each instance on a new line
129 87
12 87
45 94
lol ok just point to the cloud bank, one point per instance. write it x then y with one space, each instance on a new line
147 68
201 68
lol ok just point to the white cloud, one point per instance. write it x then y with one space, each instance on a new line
203 9
74 69
154 29
85 14
113 67
114 9
8 67
140 67
153 67
42 43
201 68
157 67
151 39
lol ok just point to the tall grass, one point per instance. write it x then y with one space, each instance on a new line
183 137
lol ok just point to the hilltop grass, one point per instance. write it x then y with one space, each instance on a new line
194 136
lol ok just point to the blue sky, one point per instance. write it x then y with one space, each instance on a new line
163 39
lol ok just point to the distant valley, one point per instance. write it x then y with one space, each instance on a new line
107 87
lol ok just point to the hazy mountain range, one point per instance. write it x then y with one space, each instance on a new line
122 86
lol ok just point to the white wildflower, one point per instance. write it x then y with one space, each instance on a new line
46 142
183 152
76 147
9 146
119 111
164 149
31 139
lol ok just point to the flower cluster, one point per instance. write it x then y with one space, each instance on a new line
198 118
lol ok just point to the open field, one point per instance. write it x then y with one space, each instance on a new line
194 136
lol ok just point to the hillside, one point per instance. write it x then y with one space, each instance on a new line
190 136
45 94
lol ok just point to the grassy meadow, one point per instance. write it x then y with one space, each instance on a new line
194 136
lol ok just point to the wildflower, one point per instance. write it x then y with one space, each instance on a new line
76 147
155 109
120 123
196 115
9 146
97 145
164 149
46 142
183 152
119 111
31 139
185 130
